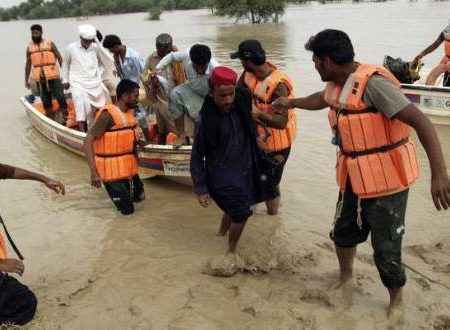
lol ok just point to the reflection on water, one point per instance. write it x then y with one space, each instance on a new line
273 38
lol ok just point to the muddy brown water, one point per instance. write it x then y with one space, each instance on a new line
94 269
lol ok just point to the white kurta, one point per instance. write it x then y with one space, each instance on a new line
81 68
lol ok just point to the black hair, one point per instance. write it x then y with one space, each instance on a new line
111 40
125 86
36 27
99 35
258 59
333 44
200 54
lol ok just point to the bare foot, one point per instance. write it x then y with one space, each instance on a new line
222 233
344 284
179 142
396 317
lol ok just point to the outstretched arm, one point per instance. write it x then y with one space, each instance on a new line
12 172
440 182
314 101
440 39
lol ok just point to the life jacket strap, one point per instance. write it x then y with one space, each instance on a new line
354 154
11 242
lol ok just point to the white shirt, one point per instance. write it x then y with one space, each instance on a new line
81 66
198 82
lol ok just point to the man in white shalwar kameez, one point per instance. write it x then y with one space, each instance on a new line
83 74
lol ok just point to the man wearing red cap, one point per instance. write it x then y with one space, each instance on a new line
224 164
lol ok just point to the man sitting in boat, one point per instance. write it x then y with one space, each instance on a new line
110 149
444 66
130 65
82 73
174 74
186 100
17 302
42 62
223 159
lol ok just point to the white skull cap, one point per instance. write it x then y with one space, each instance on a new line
87 31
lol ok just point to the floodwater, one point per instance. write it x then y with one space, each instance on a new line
94 269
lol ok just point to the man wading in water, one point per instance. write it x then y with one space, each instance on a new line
222 160
226 163
377 163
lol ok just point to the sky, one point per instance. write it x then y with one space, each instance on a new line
9 3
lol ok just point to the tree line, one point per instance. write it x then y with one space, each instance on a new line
254 11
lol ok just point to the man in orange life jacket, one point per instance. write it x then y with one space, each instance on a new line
17 302
377 162
41 64
276 133
443 37
110 149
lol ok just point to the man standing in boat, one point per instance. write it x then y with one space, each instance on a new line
43 63
377 162
17 302
174 75
82 73
130 65
186 99
110 147
277 133
223 159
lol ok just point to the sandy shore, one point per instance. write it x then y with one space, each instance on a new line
150 277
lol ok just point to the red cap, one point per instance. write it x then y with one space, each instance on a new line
223 75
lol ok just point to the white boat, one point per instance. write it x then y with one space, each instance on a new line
154 160
432 100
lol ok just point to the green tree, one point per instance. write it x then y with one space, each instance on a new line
256 11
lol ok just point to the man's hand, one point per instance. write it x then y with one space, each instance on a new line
66 85
27 85
12 266
256 113
204 199
261 145
96 181
416 61
282 103
440 191
54 185
142 143
154 72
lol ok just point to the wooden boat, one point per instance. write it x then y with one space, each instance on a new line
432 100
154 160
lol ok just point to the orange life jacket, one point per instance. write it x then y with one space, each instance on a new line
375 152
43 61
114 151
3 254
263 91
447 48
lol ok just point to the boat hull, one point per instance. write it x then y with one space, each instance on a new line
433 101
154 160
